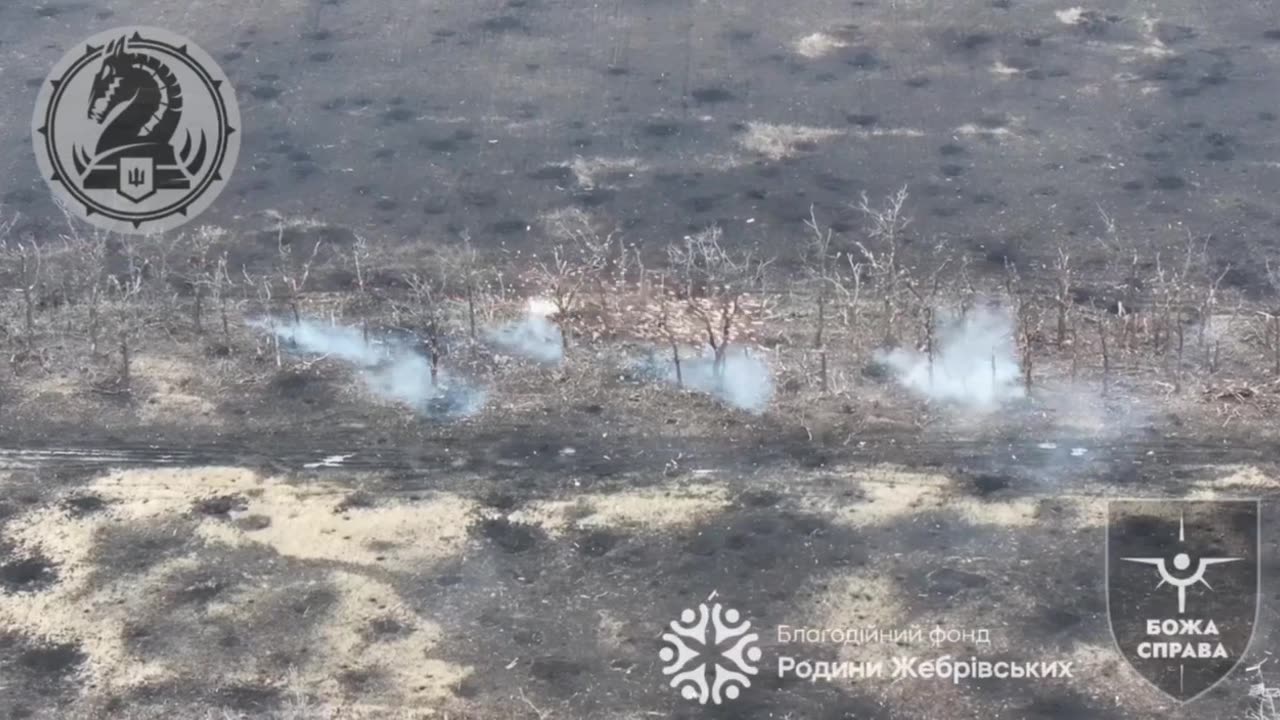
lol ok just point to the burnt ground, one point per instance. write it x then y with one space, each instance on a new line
1013 122
180 559
498 585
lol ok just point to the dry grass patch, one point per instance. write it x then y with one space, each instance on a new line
295 520
588 171
55 395
1011 129
1110 677
174 389
1241 477
650 509
220 507
880 132
890 493
1071 16
303 524
1003 70
164 388
818 44
872 599
611 630
865 600
404 671
777 142
1233 481
858 600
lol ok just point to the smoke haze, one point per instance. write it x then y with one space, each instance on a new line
390 367
534 337
975 363
745 382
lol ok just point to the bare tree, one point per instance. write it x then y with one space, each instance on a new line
715 281
6 228
1123 260
822 259
25 261
262 288
577 233
926 294
294 271
87 256
1208 306
126 287
1271 319
1215 351
580 256
424 316
851 287
1062 293
885 227
361 257
220 285
1171 287
1025 320
156 253
967 293
667 329
199 273
1103 321
562 280
1028 319
467 270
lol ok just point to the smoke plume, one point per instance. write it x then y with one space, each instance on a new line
534 336
744 381
391 367
974 364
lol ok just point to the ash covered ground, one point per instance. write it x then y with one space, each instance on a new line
281 518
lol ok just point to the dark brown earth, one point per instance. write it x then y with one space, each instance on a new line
489 573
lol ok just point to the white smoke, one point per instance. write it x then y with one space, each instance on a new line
974 364
534 336
390 367
744 381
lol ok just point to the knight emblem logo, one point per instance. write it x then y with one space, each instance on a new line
137 130
1183 580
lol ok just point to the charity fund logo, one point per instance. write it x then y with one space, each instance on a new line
710 653
136 130
1183 582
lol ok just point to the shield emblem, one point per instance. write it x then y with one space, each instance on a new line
137 180
1183 580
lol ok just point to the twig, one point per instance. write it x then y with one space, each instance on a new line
541 715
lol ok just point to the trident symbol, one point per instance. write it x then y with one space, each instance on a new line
137 176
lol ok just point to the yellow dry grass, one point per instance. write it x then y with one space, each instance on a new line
588 171
890 494
174 388
1233 481
777 142
301 523
818 44
649 509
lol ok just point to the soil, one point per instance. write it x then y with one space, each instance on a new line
233 538
556 597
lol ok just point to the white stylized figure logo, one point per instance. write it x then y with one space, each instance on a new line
1181 562
710 643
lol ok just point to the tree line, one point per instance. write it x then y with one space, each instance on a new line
856 293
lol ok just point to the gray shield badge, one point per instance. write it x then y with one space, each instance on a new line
1183 581
136 130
